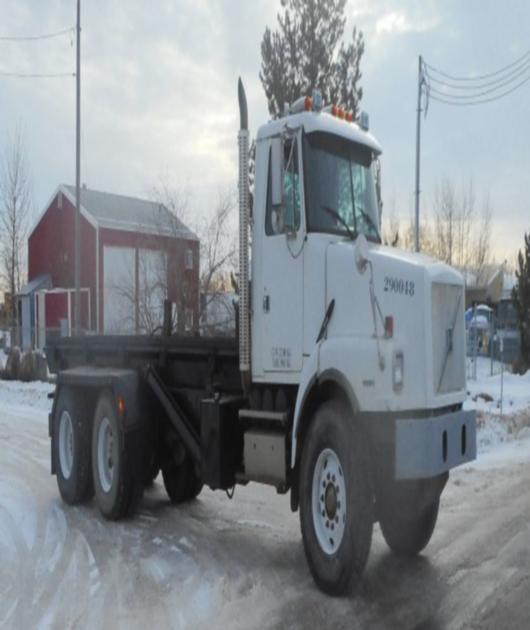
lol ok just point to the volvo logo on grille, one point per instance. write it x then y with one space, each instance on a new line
449 340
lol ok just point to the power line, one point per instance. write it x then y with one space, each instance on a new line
33 38
513 74
491 90
479 101
36 75
480 77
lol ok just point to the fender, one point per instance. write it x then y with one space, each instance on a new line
333 360
124 383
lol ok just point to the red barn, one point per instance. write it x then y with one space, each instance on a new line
134 253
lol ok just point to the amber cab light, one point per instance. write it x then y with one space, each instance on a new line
121 405
389 326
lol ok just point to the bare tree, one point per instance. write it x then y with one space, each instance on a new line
482 248
390 226
218 252
168 272
15 207
461 232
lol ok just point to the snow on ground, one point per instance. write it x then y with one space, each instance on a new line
24 395
3 358
224 564
501 426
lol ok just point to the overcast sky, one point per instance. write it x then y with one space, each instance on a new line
159 96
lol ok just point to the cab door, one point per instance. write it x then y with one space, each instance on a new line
283 268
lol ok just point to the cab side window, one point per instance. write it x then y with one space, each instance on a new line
277 217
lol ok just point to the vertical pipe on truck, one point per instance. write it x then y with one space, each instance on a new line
244 306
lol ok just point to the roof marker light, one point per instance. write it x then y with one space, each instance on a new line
364 121
317 100
308 103
349 116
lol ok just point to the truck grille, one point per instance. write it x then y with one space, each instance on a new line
448 343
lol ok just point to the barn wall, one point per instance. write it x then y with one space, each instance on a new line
51 249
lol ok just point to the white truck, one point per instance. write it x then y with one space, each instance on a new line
345 385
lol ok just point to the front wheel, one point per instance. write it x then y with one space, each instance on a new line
409 532
336 499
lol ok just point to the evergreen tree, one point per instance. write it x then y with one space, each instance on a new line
307 51
521 298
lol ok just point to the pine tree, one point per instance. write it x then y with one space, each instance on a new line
307 51
521 298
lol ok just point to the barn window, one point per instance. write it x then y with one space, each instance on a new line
189 259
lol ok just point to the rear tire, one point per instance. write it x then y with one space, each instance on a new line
336 499
117 484
180 481
71 447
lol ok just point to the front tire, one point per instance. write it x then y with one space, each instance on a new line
336 499
118 487
408 530
71 447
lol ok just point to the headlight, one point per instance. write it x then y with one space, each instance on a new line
398 370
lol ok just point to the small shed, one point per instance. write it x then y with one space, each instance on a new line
26 311
134 253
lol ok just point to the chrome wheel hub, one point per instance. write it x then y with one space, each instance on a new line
66 444
329 501
105 455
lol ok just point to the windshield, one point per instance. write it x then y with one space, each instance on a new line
340 181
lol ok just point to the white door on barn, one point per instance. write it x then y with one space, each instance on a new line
151 290
119 289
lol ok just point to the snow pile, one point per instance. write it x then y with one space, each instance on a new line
499 421
34 394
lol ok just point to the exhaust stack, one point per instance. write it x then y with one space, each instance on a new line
244 301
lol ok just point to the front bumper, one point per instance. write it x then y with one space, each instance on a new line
427 447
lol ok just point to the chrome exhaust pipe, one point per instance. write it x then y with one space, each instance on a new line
244 298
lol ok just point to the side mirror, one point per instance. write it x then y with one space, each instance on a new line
377 170
361 253
277 172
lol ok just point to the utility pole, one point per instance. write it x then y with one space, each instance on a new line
77 224
418 133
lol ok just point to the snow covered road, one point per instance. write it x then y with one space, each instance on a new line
217 563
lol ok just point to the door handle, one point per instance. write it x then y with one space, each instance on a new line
266 303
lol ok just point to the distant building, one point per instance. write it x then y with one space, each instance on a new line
491 319
133 253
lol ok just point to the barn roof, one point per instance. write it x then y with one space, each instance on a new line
120 212
129 213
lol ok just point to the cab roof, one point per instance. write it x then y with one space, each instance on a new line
320 121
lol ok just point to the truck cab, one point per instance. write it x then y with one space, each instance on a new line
351 330
396 333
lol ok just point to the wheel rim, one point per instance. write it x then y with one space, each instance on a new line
66 444
105 454
329 501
